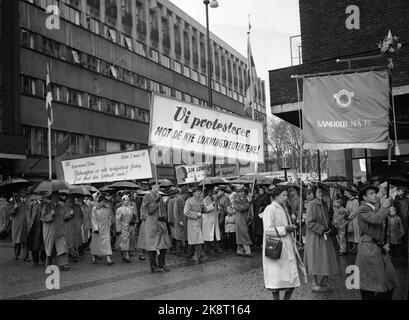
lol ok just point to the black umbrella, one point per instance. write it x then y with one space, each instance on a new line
212 181
14 184
288 184
340 187
336 179
165 183
398 181
76 191
124 185
264 181
240 181
106 189
52 186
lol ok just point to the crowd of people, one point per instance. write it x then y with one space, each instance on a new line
196 222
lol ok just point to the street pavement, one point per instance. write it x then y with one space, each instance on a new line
224 277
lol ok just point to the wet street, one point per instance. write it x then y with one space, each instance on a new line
223 277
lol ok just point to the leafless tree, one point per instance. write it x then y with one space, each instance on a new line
285 142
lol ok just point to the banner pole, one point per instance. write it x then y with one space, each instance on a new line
156 177
300 209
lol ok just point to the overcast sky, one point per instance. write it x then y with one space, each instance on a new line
272 21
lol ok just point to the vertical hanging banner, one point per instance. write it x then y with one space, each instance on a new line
346 111
180 125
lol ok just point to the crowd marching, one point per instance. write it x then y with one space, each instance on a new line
196 222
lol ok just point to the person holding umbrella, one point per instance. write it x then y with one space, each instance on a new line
55 243
156 231
73 218
18 214
377 276
86 207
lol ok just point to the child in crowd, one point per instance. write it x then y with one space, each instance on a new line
230 228
395 232
340 220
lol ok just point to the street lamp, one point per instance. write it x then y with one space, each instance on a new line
213 4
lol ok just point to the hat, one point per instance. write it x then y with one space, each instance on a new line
278 190
367 187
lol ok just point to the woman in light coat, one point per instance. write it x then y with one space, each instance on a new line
352 207
319 253
241 205
287 272
101 228
210 222
125 218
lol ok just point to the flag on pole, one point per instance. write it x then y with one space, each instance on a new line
49 98
251 77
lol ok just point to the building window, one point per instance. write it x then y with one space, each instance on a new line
140 49
186 71
194 75
154 55
165 61
177 67
202 79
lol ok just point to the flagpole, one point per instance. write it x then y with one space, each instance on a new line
49 121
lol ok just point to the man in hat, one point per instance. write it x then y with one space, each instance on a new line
181 221
222 202
86 207
156 231
125 219
401 204
73 218
377 275
55 243
193 211
19 213
35 242
241 205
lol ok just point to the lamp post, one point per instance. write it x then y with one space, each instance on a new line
213 4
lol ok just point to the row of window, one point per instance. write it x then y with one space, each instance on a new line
62 94
126 41
71 144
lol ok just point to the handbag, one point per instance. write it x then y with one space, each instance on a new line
273 246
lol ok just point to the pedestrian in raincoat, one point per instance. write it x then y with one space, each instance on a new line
193 212
377 277
86 207
287 272
261 201
319 253
156 231
353 232
340 218
55 244
4 216
35 242
101 228
18 215
125 219
223 202
181 221
73 220
241 205
395 233
210 223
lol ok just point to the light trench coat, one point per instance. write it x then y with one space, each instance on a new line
210 221
289 270
194 222
124 216
101 222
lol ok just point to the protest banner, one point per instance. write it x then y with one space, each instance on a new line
190 174
180 125
132 165
346 111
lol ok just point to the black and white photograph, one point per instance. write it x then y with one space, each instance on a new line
204 155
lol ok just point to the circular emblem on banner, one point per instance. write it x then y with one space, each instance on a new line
313 175
344 99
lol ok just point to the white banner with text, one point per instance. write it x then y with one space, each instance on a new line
180 125
133 165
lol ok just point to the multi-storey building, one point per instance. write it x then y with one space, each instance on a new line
332 30
106 58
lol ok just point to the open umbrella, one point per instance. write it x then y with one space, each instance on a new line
165 183
288 184
336 179
124 185
90 188
340 187
212 181
14 184
398 181
106 189
76 191
264 181
240 181
52 186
